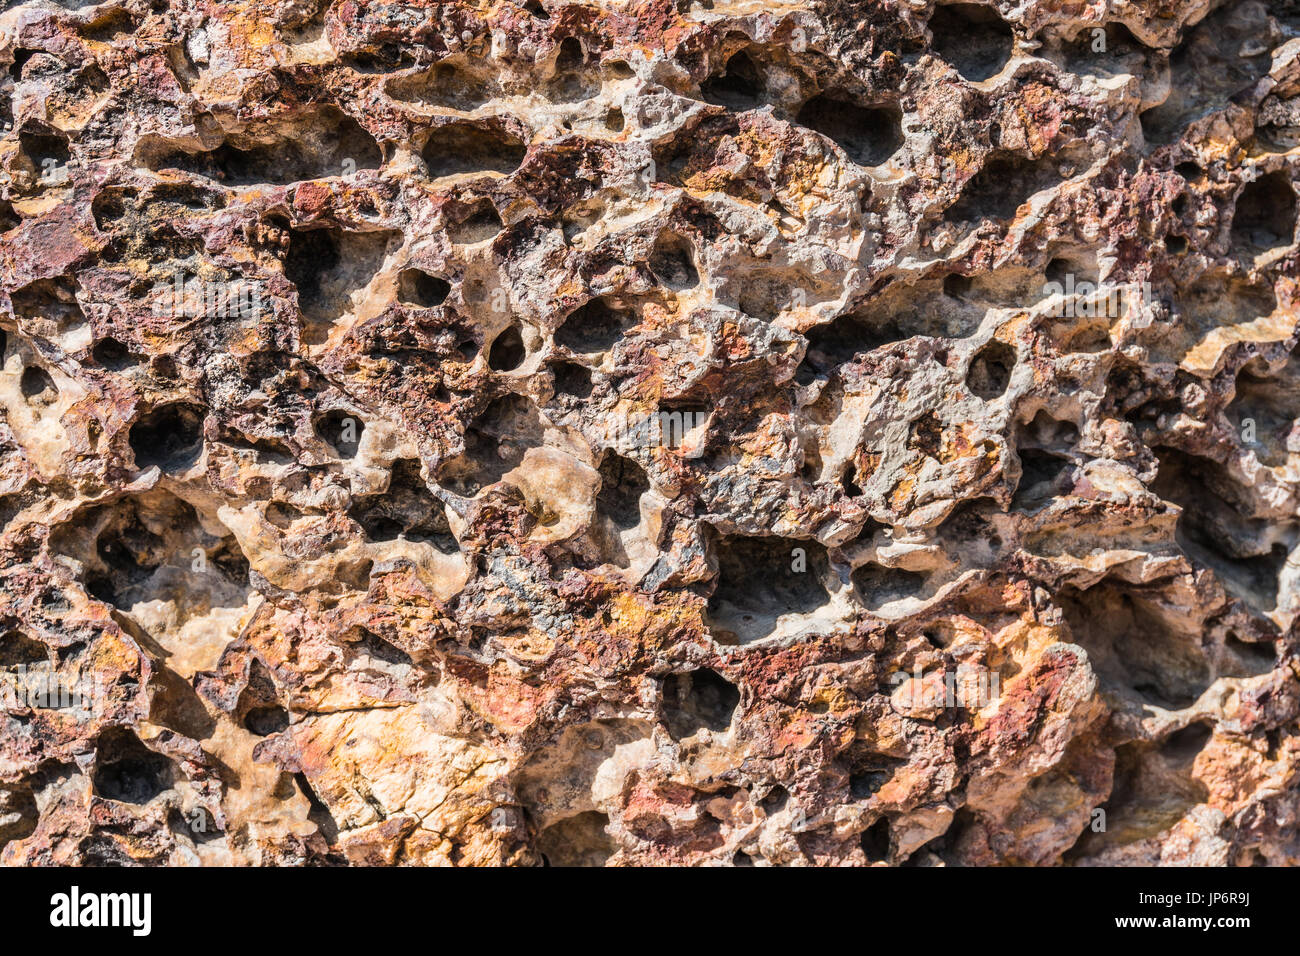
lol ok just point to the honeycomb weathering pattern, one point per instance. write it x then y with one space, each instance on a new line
694 433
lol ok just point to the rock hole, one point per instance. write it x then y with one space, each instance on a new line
508 351
869 135
328 267
738 87
875 841
622 483
19 650
1265 215
849 481
877 585
416 287
672 263
104 26
495 443
9 219
572 82
572 379
990 370
957 285
794 574
838 342
480 223
1216 534
265 721
170 436
111 354
776 799
467 147
1043 476
1120 44
51 304
128 552
312 254
1134 648
972 38
1002 186
1208 68
446 85
37 386
19 815
699 700
188 196
407 509
571 55
110 205
126 770
1181 747
581 840
341 431
47 152
1253 658
594 327
375 647
21 55
329 144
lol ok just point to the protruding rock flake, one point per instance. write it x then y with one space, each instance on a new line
649 432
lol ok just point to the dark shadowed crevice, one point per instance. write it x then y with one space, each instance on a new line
672 262
507 352
794 574
416 287
467 147
739 86
990 370
869 135
334 145
875 841
170 436
341 430
1003 184
622 483
581 840
877 585
972 38
406 509
126 770
572 379
699 700
594 327
1265 215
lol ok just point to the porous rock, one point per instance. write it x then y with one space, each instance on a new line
626 433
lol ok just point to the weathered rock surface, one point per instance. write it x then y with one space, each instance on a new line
810 433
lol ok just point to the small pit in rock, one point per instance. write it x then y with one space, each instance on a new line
699 700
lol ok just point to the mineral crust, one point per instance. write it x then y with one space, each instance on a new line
649 433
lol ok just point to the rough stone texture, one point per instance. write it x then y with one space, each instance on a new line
375 572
